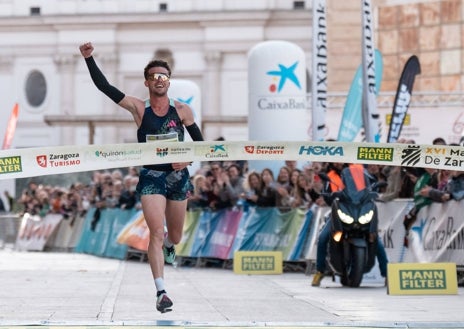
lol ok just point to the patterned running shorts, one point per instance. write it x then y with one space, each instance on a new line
174 185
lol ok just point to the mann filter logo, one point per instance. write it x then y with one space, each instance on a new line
10 165
422 279
282 75
410 155
258 263
161 152
375 153
321 150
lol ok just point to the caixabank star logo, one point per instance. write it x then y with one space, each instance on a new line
281 76
213 152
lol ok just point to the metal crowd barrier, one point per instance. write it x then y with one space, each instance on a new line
9 228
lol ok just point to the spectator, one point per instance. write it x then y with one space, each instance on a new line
301 192
10 199
374 170
236 183
394 177
200 196
283 188
221 196
128 198
291 165
268 195
428 178
2 206
133 171
439 141
454 189
253 187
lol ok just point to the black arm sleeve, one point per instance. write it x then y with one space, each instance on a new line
102 84
195 132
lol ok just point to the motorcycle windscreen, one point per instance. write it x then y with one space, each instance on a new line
355 181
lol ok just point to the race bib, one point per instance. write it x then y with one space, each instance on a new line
169 137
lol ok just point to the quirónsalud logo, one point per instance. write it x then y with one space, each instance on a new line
284 73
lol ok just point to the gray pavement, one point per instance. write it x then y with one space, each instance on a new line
68 289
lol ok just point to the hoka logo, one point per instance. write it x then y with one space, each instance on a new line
321 150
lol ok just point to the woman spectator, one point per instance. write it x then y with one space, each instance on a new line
283 188
199 197
253 188
268 195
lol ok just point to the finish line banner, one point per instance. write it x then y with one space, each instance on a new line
30 162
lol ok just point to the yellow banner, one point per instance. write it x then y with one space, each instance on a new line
258 262
422 279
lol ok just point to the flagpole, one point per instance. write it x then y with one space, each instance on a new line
11 127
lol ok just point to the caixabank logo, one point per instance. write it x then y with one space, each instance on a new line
282 75
213 152
54 160
12 164
281 79
265 149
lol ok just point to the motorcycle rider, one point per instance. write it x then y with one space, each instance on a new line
324 235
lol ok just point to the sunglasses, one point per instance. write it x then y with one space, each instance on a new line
156 76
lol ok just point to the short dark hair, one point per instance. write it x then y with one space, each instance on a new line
156 63
439 141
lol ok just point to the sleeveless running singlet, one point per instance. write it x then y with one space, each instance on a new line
155 128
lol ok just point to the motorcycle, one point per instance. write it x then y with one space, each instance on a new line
354 220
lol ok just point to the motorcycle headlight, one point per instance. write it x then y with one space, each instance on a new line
366 218
347 219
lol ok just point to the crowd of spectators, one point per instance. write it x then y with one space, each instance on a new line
228 184
108 189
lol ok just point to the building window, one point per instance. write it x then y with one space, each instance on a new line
298 5
163 7
34 11
36 88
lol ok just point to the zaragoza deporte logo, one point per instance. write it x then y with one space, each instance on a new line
282 75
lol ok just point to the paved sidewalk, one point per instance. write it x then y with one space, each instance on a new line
67 289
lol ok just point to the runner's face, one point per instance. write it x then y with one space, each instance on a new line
158 80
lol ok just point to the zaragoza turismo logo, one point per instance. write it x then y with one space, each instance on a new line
281 76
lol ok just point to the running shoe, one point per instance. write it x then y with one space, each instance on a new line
317 279
169 254
163 303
